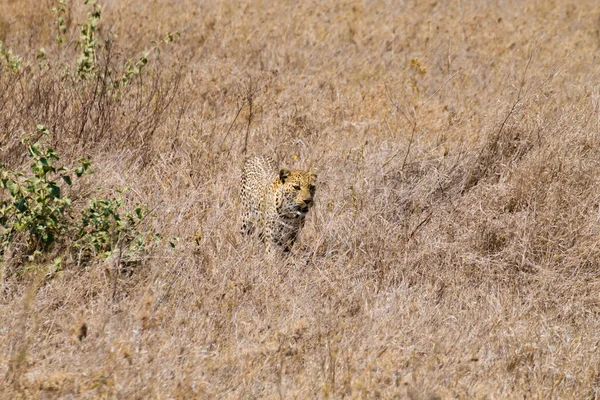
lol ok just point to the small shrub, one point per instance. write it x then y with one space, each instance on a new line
105 227
86 63
36 215
35 207
61 24
9 60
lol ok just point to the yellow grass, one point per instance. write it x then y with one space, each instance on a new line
453 248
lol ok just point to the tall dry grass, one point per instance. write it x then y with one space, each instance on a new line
453 249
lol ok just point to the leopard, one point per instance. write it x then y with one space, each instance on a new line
275 203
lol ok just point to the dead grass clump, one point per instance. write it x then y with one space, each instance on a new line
452 249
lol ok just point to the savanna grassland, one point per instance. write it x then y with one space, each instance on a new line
453 250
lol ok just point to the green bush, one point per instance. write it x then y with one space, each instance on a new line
105 227
36 215
35 208
38 219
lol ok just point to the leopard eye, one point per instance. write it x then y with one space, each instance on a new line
312 188
297 187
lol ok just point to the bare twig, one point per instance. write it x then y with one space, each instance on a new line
420 224
440 88
510 112
413 123
116 264
177 275
250 101
237 114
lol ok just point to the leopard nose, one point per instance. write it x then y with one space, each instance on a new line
307 201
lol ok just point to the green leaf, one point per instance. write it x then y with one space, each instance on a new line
79 171
21 205
51 154
33 150
13 188
67 179
54 190
42 129
57 262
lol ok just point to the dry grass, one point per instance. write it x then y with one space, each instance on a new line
453 248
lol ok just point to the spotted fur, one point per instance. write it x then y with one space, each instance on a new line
275 204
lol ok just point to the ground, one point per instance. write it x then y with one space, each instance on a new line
453 244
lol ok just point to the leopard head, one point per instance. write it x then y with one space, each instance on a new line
296 193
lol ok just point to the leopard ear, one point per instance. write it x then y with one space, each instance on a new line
283 174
